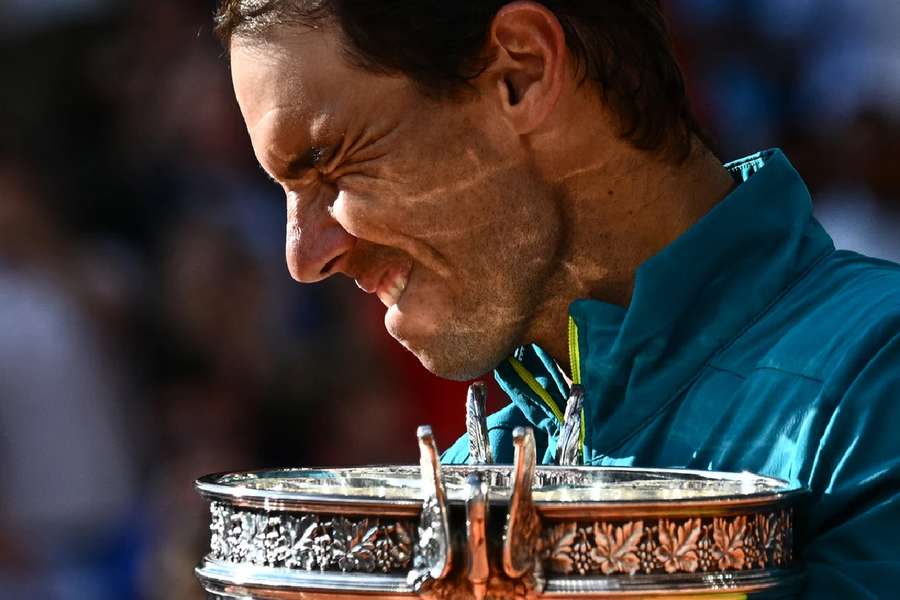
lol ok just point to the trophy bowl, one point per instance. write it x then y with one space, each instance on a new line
490 531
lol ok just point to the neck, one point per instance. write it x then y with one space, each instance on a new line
618 210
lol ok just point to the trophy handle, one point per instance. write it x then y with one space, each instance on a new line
568 449
476 425
523 524
479 568
432 555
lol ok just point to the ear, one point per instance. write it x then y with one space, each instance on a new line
529 68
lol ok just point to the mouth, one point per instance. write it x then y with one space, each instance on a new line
391 287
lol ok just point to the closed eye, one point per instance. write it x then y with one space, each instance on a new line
310 159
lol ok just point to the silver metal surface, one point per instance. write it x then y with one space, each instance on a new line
522 533
491 531
569 449
398 487
680 584
221 576
432 552
476 425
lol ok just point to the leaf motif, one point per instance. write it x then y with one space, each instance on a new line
766 529
628 537
602 539
362 554
558 548
678 545
309 535
616 548
561 538
402 536
720 535
688 535
728 538
666 530
358 530
341 530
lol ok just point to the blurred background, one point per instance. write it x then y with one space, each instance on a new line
150 333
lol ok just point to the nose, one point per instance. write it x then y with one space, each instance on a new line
315 242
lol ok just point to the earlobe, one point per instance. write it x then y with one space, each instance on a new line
530 54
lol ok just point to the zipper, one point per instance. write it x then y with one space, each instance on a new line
574 355
532 383
575 361
575 367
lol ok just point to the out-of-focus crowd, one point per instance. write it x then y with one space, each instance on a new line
819 78
150 333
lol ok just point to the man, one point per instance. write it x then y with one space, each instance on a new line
523 186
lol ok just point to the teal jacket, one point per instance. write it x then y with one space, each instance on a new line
750 343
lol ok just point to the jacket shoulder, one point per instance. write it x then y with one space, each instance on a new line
844 309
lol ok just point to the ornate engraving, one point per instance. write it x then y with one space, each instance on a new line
309 542
432 544
615 547
476 425
635 547
556 544
568 449
728 543
522 534
433 554
693 545
677 547
523 525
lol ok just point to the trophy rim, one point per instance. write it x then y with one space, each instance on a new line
213 488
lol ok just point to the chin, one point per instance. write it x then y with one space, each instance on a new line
444 351
451 369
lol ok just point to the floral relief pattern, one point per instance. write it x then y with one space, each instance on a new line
336 543
677 550
309 542
691 545
728 542
616 547
557 548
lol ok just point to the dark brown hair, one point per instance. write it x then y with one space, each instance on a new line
621 46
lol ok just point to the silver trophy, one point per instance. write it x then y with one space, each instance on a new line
490 531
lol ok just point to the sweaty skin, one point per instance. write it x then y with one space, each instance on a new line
476 221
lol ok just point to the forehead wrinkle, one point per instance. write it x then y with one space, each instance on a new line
281 69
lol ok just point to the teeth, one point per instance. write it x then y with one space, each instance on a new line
390 293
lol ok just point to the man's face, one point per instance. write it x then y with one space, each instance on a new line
432 205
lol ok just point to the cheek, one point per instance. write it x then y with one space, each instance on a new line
389 213
362 213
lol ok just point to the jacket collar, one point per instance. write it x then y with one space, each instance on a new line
690 300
